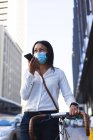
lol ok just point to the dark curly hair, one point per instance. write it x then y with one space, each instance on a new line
50 54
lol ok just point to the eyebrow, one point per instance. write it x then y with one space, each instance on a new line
40 49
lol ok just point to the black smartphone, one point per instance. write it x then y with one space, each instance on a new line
28 56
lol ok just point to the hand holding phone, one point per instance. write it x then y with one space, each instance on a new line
32 65
28 56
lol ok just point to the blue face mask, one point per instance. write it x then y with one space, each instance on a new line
41 56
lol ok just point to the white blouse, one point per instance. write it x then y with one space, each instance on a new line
34 94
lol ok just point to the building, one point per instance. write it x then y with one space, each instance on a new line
79 34
10 67
13 22
83 52
3 12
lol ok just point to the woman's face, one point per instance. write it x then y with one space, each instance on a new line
40 48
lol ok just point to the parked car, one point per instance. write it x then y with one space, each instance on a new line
10 127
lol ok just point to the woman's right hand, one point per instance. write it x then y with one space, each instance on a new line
33 65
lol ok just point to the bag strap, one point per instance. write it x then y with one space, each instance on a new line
49 92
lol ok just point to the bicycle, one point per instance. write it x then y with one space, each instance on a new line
63 132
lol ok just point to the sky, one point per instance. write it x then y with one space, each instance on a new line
52 20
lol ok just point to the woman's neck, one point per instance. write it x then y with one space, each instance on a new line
43 68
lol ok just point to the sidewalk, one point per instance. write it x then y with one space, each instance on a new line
76 133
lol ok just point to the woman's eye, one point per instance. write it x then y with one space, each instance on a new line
35 51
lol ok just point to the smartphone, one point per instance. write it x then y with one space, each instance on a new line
28 56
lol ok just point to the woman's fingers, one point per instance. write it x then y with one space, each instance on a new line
33 65
74 110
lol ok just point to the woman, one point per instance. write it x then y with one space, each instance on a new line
35 95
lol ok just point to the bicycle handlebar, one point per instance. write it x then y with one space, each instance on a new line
62 115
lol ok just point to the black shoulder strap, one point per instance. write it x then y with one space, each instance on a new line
49 92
